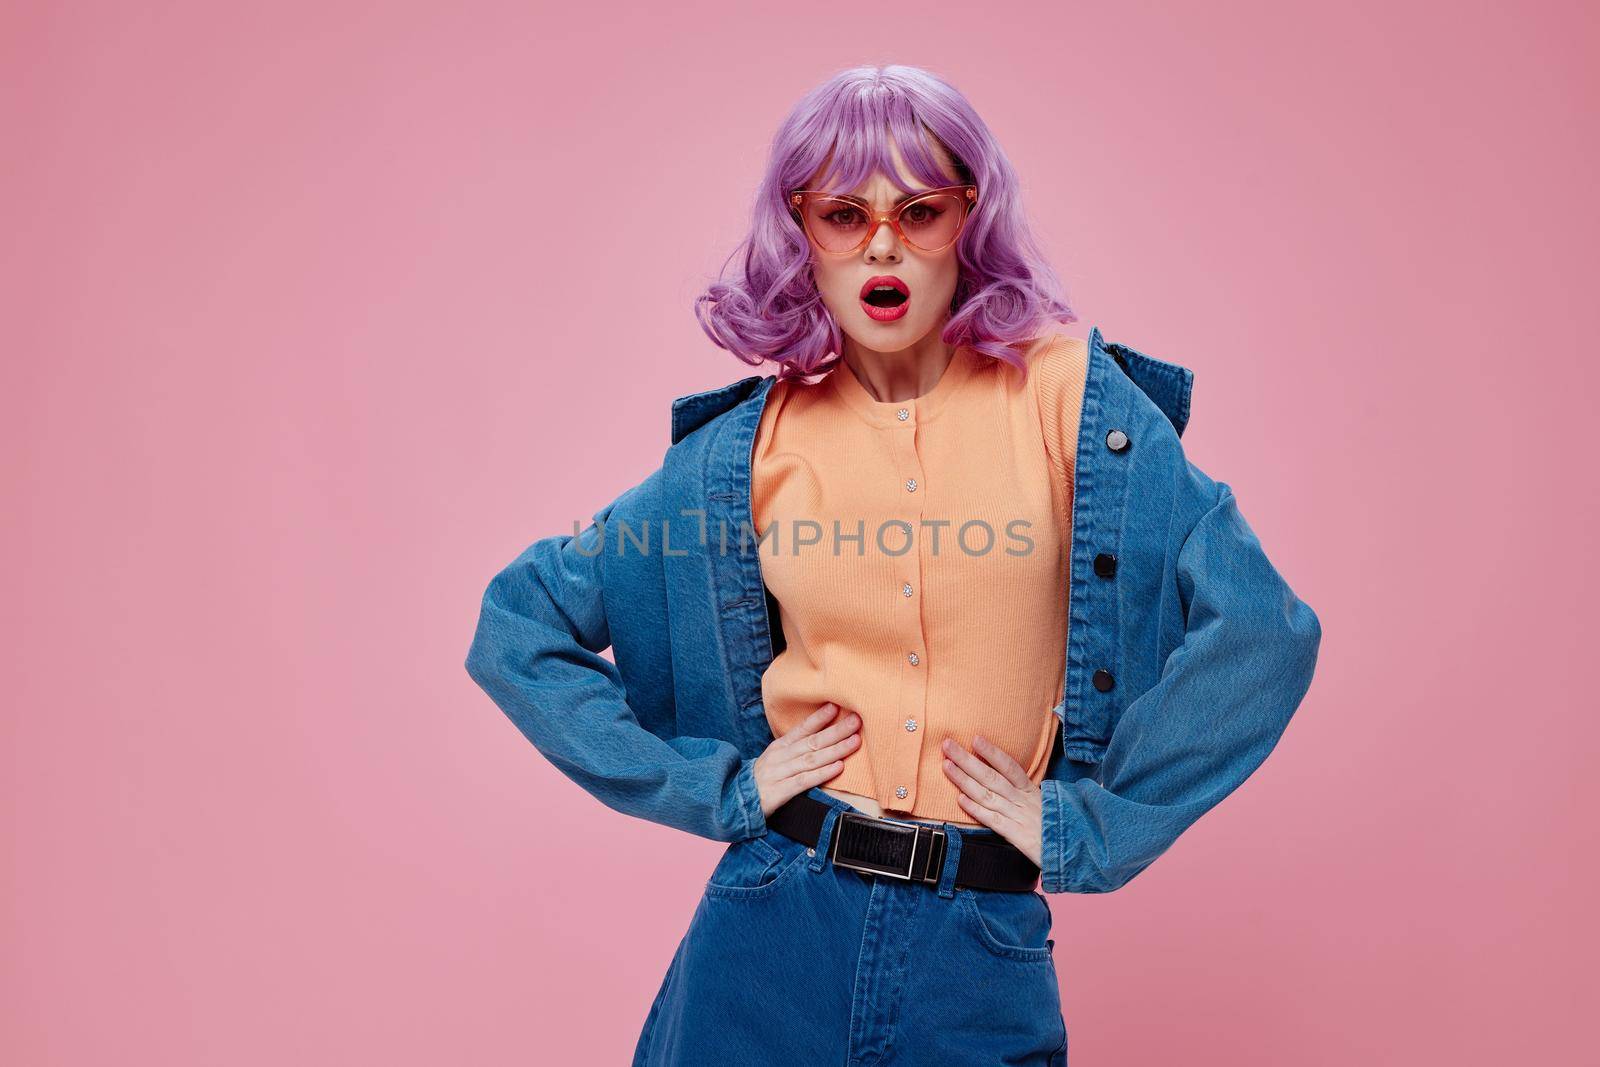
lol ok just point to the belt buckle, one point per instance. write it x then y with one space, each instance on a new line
899 825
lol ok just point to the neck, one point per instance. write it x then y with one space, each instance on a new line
899 375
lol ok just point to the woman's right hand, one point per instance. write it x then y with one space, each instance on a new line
807 755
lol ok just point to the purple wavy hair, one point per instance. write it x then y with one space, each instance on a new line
765 306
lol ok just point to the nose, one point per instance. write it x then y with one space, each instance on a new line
884 245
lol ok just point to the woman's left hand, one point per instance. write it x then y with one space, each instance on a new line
998 793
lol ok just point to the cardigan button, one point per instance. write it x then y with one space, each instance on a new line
1117 441
1105 564
1103 680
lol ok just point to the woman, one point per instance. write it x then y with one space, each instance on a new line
956 621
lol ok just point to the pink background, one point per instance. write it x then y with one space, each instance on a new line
314 315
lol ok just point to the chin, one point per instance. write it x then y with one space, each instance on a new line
886 336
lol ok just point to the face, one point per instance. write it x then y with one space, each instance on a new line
929 277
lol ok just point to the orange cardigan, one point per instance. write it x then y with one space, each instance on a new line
919 553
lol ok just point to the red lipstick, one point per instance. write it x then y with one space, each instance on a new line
885 297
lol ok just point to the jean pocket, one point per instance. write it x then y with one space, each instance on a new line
751 868
1010 925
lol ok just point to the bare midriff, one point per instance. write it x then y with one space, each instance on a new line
871 807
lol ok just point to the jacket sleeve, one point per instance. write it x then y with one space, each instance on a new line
1224 698
536 653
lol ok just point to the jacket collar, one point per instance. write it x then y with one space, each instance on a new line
1168 385
692 411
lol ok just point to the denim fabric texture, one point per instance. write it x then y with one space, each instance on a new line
855 969
1185 659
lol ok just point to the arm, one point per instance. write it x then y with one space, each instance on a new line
1225 696
536 653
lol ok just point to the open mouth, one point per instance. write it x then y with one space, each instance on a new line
885 297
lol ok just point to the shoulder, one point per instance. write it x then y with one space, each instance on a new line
1057 354
1058 367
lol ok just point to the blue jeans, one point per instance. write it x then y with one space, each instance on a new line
790 959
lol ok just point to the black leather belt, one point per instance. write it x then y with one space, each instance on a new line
914 851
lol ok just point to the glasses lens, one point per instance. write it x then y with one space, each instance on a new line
836 225
933 222
930 223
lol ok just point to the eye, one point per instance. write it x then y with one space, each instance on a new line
845 216
921 214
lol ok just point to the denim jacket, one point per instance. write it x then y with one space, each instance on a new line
1187 652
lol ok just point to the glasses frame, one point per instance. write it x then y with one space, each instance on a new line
800 197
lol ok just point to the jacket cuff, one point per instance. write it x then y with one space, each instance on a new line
1053 846
755 819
